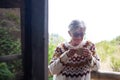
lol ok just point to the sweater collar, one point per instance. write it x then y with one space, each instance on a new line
74 47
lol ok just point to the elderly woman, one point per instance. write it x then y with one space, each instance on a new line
74 60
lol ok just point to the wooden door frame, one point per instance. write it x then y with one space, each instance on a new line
34 32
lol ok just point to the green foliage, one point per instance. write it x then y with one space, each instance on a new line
7 44
10 46
115 60
50 78
12 17
10 39
116 41
115 63
54 40
118 38
111 50
5 73
51 51
105 49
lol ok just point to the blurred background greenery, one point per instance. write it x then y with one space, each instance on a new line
10 42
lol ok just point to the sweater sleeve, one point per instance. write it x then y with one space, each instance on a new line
95 61
58 61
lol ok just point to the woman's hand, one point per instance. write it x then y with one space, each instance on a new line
71 52
87 53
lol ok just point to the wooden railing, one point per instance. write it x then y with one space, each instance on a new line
7 58
105 75
99 75
10 57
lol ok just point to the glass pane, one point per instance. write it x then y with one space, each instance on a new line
10 44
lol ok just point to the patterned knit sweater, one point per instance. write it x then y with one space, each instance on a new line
77 67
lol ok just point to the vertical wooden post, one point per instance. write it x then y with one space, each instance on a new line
26 39
35 39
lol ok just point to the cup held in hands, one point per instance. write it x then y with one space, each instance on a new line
80 51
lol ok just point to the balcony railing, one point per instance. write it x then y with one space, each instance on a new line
99 75
10 57
105 75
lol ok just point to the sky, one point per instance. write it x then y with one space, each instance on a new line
102 17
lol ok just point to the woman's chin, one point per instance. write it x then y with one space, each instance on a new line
76 44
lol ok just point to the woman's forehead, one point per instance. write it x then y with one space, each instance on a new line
79 30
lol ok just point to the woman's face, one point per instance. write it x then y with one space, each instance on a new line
76 41
77 37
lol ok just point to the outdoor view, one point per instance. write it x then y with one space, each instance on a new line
100 16
102 21
10 44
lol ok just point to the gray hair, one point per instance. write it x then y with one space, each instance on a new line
75 24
